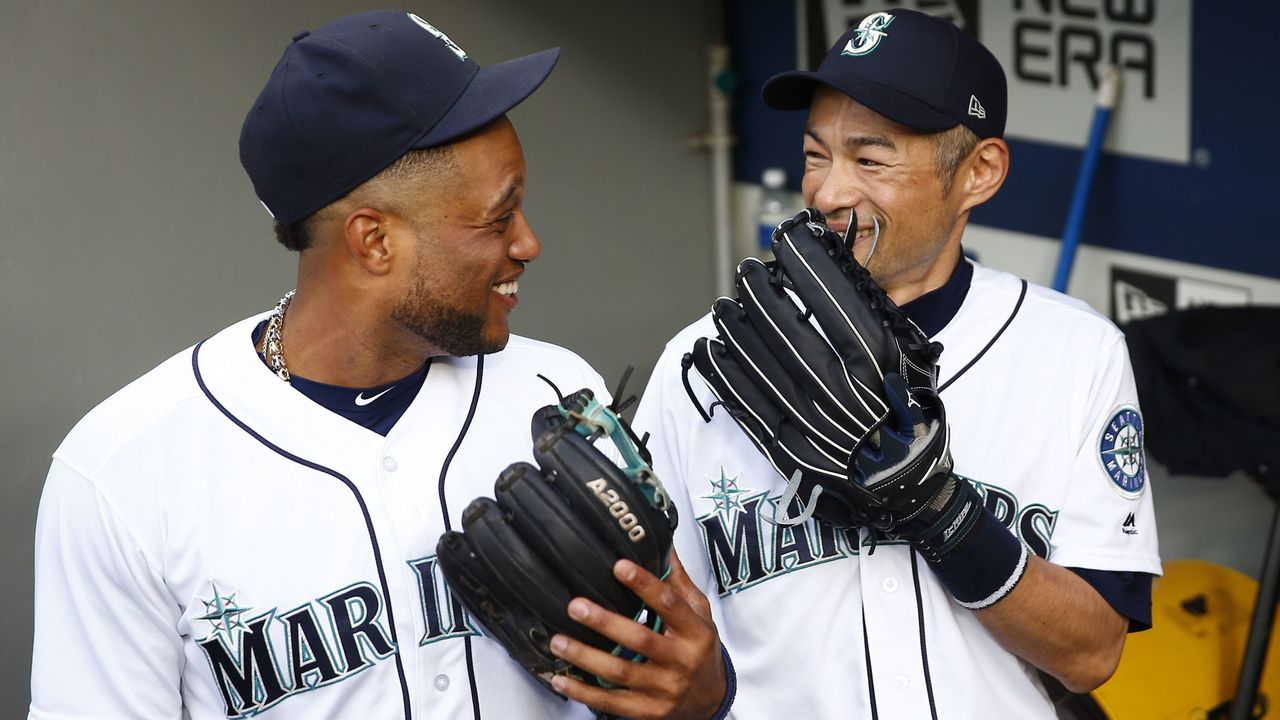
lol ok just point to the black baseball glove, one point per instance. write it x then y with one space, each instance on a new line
837 387
554 533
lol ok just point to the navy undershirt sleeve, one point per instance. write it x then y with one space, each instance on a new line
1128 592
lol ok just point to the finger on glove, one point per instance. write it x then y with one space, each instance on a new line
617 670
680 580
682 607
689 644
664 598
623 630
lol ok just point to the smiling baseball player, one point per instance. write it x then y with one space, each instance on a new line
250 529
1029 541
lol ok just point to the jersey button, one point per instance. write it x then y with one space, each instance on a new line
390 464
889 585
442 682
901 682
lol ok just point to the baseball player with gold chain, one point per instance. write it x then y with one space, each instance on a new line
250 529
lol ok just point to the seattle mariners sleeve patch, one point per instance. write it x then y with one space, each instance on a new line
1120 452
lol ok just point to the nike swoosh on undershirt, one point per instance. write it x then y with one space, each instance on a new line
361 400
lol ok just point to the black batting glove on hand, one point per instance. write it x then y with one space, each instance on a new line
912 494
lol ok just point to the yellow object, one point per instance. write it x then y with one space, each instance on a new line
1187 665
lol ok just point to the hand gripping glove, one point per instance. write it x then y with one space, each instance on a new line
837 387
904 468
554 531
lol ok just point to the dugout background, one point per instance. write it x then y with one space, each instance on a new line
128 230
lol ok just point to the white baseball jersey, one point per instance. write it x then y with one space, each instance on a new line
1045 422
212 544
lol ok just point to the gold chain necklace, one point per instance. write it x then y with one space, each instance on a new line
273 345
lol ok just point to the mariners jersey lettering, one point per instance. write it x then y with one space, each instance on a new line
813 618
215 543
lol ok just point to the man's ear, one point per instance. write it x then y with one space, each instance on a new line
367 235
982 173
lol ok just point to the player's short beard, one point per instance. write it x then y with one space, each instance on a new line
452 330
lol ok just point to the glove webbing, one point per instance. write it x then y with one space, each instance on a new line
592 420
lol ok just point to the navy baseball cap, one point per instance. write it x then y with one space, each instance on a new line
917 70
349 99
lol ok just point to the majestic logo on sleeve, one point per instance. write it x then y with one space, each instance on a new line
259 661
1120 452
746 545
1130 526
868 35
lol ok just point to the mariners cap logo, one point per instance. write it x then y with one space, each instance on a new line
1120 452
462 54
868 35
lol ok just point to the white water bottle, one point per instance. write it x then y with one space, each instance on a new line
774 201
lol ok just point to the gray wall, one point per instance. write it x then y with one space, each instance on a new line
129 231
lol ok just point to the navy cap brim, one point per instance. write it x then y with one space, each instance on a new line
794 91
493 91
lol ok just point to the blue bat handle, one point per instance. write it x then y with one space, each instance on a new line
1080 198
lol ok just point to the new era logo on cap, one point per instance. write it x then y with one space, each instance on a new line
976 109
